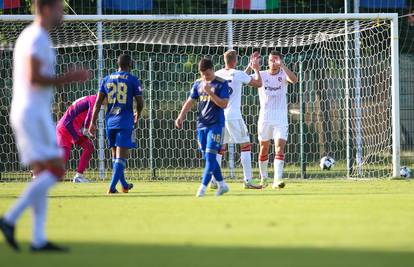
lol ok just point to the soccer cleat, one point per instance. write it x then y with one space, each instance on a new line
126 190
222 190
279 184
250 185
201 191
80 179
111 192
213 185
8 232
48 247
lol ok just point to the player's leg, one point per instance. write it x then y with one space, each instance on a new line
280 136
213 146
37 147
264 134
264 161
87 150
220 155
111 139
125 140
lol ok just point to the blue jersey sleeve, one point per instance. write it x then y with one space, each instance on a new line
102 89
224 91
194 91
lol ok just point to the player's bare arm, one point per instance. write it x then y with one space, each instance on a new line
139 100
99 100
291 77
188 104
37 78
254 64
222 103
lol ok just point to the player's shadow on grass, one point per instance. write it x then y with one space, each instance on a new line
125 255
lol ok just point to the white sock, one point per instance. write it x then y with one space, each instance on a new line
246 161
218 157
278 166
202 187
36 189
78 174
221 183
263 169
39 221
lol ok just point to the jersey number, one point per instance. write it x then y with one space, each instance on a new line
117 93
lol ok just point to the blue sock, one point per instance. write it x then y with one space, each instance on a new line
122 176
211 167
118 172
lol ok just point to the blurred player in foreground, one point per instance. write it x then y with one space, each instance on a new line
31 119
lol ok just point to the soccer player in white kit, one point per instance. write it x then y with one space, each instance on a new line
235 130
31 119
273 115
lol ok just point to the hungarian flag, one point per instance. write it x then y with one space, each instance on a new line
9 4
255 4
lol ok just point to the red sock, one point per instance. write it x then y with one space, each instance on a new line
86 156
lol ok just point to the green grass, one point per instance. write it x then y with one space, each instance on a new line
309 223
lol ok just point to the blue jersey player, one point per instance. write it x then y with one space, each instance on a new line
212 94
120 88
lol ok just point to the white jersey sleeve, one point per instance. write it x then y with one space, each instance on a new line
244 77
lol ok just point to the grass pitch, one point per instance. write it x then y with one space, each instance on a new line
309 223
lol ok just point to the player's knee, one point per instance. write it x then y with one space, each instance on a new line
263 157
246 147
222 150
57 171
280 155
211 160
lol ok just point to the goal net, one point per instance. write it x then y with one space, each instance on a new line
342 107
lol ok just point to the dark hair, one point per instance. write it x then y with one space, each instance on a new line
276 53
43 3
124 61
205 64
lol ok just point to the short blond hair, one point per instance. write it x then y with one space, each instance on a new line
230 56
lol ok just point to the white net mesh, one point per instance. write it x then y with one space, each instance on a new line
165 57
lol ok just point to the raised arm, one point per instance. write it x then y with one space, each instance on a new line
255 82
291 77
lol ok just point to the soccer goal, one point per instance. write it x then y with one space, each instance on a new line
345 106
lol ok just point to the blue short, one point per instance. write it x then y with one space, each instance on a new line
121 138
210 139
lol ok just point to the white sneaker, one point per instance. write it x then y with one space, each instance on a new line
222 190
278 184
80 179
201 192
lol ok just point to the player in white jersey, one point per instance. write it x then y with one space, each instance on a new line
34 130
235 131
273 115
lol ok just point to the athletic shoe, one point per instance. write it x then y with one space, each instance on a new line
201 192
250 185
213 185
48 247
8 232
110 192
279 184
222 190
126 190
80 179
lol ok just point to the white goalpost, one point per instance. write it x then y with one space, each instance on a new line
346 104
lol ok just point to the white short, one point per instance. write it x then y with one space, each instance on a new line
235 132
268 131
35 134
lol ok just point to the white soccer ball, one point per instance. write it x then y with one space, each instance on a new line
327 163
405 172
